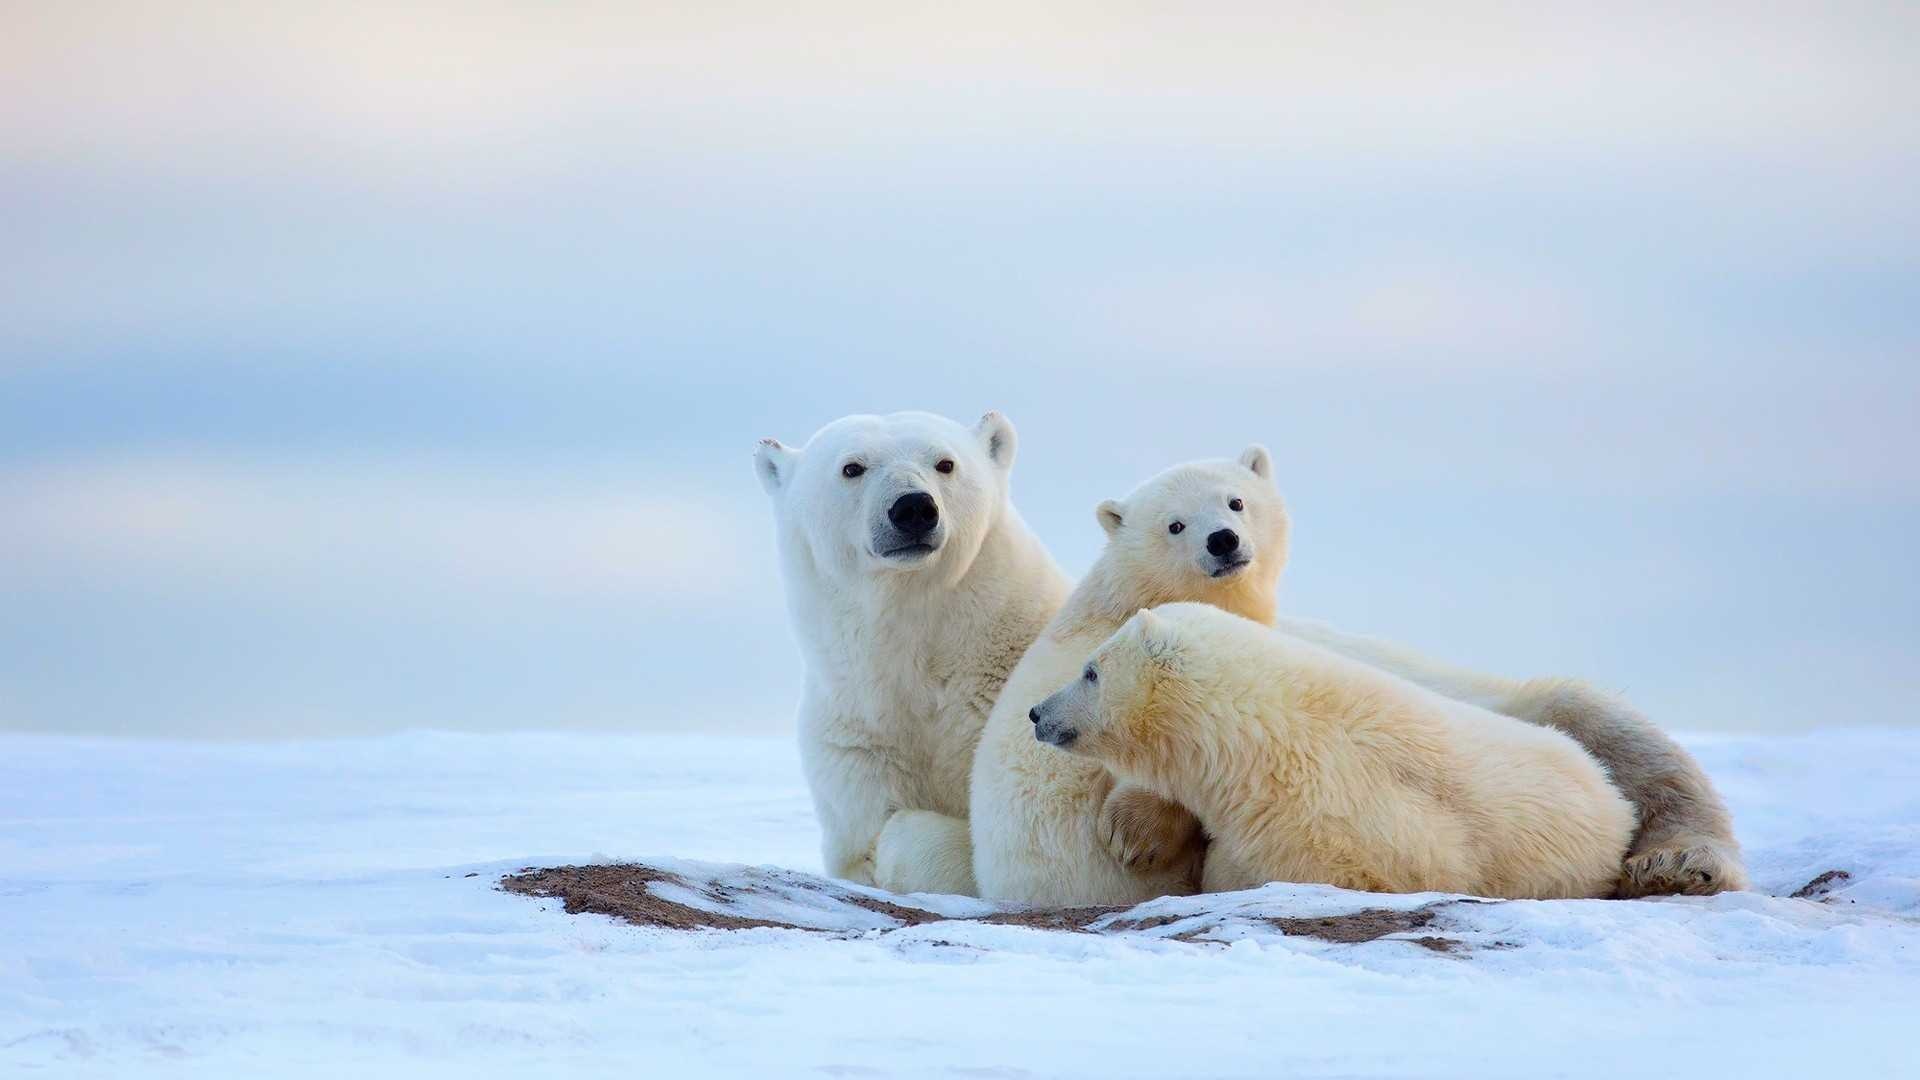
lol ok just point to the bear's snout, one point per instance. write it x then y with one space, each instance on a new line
1051 730
1056 735
1223 542
915 514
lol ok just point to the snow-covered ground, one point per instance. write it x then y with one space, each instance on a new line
329 908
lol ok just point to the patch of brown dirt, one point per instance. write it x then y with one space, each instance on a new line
623 892
1370 924
1819 887
908 916
1147 922
1076 919
1350 928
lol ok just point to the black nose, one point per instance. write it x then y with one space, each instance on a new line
914 513
1224 542
1033 714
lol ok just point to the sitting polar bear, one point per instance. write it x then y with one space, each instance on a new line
1306 766
913 586
1052 829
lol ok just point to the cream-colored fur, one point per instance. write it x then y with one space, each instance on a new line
1037 814
1685 842
905 653
1306 766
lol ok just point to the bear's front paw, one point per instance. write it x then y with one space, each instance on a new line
1145 832
1681 866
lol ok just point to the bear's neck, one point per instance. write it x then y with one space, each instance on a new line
1110 594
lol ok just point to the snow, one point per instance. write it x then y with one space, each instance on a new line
329 907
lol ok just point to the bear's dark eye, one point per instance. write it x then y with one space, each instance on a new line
852 469
1236 505
1177 528
945 466
1091 675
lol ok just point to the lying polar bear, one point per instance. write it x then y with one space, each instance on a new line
1306 766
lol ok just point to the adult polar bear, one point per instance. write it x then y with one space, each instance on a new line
915 588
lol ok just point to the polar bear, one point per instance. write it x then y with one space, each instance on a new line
1685 842
913 587
1304 765
1046 826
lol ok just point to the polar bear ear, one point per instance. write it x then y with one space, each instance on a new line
997 439
1111 515
773 461
1156 636
1255 457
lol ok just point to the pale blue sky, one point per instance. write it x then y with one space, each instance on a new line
366 367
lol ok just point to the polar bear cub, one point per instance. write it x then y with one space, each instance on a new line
1306 766
1053 830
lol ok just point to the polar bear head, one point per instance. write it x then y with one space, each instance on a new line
908 494
1153 689
1213 531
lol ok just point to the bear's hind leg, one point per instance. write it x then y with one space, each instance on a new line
1685 843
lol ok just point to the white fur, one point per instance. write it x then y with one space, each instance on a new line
1304 765
904 656
1036 811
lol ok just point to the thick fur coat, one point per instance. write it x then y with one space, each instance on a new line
1306 766
913 586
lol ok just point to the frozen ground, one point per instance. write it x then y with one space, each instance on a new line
328 908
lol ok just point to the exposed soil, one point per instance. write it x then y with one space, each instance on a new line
1368 925
623 892
1078 920
1819 887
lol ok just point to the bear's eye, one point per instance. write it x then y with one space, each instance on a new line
1091 675
852 469
1236 505
1177 528
945 466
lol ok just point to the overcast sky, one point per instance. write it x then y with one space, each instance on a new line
372 366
